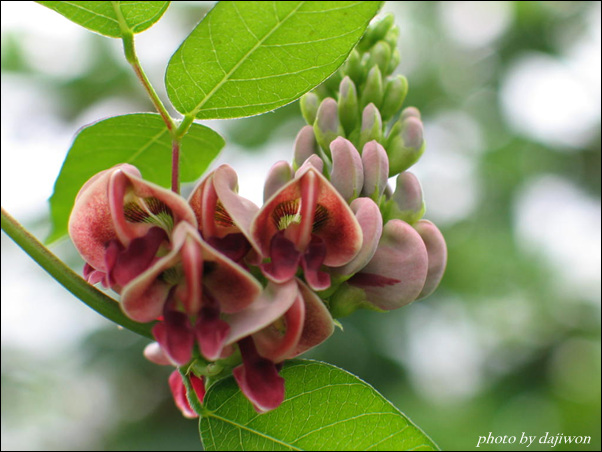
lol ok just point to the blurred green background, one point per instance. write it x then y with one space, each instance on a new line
509 343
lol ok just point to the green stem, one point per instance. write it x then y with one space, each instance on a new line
94 298
132 57
129 48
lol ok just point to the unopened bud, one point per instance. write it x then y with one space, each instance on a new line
348 105
437 255
327 126
347 174
373 89
376 170
278 176
309 107
372 125
380 28
380 55
405 144
353 67
395 93
394 61
305 145
392 36
376 32
313 161
410 111
407 203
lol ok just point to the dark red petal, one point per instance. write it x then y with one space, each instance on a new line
175 336
312 261
285 259
235 246
138 256
258 378
178 390
211 331
198 385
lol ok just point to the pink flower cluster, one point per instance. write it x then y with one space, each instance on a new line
226 280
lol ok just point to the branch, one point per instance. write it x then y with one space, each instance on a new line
94 298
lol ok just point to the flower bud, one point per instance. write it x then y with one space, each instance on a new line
327 126
397 272
353 67
347 174
372 125
348 105
405 144
309 106
380 55
376 32
406 203
437 255
278 176
313 161
305 146
410 111
395 94
392 37
394 62
376 170
373 89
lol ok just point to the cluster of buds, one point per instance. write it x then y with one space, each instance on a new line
360 135
232 286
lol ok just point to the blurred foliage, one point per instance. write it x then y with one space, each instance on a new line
538 347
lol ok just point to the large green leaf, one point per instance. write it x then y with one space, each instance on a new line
326 408
141 139
247 58
102 17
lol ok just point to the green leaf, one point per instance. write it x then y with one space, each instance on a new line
326 408
141 139
247 58
102 17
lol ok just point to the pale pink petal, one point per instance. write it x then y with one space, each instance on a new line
305 145
273 302
376 170
90 224
126 188
155 354
313 161
437 255
278 176
278 340
396 274
347 174
370 220
241 210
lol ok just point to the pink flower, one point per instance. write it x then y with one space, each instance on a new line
120 223
306 223
223 216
